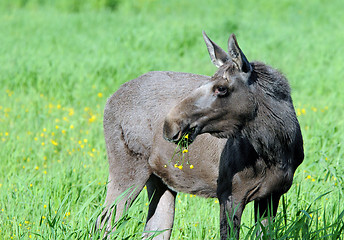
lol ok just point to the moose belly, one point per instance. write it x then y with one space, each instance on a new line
194 172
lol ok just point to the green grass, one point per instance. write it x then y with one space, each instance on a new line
60 60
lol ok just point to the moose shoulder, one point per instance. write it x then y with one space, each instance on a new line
245 139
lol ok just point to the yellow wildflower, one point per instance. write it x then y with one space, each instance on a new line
71 112
186 136
100 95
180 167
92 118
191 166
185 151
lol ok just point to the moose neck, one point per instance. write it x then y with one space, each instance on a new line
272 131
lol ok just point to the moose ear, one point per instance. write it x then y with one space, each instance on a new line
218 55
237 55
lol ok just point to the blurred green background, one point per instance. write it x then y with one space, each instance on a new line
61 60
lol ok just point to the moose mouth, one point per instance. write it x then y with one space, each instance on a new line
186 136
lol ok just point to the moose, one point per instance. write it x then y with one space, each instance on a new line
248 143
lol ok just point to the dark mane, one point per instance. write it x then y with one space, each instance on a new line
275 128
271 81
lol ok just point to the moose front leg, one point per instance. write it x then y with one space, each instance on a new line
230 216
265 211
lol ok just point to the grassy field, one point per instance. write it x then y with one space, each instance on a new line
61 60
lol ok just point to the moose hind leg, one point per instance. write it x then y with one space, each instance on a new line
117 202
161 209
127 177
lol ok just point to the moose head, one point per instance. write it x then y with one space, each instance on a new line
220 107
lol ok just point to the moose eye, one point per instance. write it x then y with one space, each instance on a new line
221 91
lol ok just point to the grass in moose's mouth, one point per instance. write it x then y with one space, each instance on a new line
181 152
